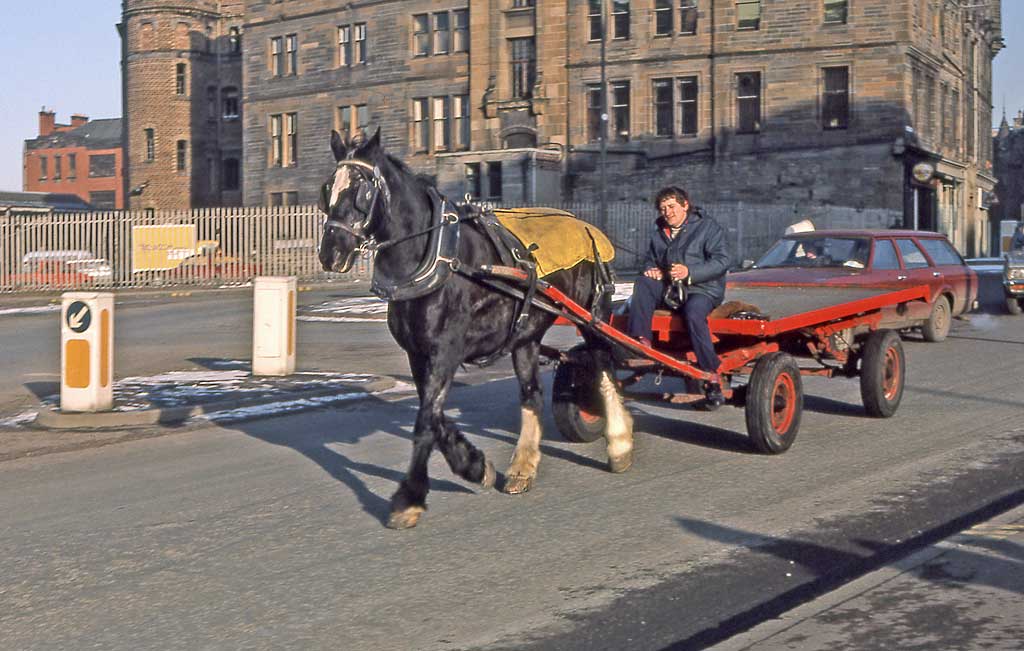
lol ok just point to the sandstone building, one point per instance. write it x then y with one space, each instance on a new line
808 103
82 158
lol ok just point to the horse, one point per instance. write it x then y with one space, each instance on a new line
375 204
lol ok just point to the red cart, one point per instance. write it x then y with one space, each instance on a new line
823 331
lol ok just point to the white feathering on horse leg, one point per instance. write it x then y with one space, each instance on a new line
526 458
619 428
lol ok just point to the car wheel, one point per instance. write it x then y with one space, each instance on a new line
1013 305
937 326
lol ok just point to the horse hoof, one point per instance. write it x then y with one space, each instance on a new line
516 484
621 464
406 519
490 476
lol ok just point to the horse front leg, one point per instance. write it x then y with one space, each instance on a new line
619 422
523 469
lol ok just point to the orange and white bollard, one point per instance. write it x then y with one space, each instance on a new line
87 351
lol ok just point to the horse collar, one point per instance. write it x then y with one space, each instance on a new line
437 264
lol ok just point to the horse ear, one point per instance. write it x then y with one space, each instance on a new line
372 145
338 145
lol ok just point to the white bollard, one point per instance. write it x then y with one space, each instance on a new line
87 351
273 326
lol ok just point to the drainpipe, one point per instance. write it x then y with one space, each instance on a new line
603 217
711 57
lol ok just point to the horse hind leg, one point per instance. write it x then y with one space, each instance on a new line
523 469
619 423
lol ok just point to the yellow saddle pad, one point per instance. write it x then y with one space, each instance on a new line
562 240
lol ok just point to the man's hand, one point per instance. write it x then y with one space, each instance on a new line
679 271
654 273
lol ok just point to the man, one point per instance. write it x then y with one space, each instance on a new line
689 247
1017 243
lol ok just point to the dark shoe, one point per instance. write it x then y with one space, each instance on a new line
713 396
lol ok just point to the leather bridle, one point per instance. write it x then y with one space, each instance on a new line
365 203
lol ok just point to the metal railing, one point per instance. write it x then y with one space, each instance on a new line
229 246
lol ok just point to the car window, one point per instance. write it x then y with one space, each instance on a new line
913 258
817 251
885 256
941 251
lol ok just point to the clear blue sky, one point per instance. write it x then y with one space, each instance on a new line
66 56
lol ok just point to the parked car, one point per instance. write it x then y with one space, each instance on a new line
870 258
1013 281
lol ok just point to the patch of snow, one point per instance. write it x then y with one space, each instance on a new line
276 408
343 319
351 305
33 309
23 418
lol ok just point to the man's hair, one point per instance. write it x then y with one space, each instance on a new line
672 191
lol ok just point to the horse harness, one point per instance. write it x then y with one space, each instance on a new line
441 259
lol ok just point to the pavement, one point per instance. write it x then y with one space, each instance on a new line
964 592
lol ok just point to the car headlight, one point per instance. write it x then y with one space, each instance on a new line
1016 274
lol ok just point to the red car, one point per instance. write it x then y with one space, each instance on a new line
883 258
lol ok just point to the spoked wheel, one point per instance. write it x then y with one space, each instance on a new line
1014 305
937 326
883 372
775 402
576 404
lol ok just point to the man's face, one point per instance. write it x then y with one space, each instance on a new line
673 212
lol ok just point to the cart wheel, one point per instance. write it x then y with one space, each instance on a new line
576 404
775 402
937 326
883 372
1014 305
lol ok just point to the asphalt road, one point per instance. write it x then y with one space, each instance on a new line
268 534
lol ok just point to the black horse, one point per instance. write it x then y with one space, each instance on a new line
442 319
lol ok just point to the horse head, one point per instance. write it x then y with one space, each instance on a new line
355 198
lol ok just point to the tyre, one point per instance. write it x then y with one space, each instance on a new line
576 403
937 326
883 372
1013 305
774 404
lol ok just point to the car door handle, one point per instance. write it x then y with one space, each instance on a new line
936 274
901 277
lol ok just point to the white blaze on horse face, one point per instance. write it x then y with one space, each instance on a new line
342 180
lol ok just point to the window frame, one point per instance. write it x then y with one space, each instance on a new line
422 37
759 121
595 20
291 49
845 10
688 104
72 167
344 46
661 105
441 37
277 56
420 126
594 112
916 248
276 125
524 70
620 20
291 132
149 136
229 103
688 8
181 156
739 19
460 30
180 81
231 171
664 9
830 97
620 112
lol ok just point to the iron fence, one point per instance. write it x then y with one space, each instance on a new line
227 246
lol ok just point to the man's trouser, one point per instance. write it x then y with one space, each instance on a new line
647 293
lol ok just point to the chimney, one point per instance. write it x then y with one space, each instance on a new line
78 120
1018 121
47 122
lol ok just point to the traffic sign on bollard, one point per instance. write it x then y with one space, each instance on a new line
273 326
87 351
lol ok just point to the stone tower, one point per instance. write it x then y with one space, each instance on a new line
181 89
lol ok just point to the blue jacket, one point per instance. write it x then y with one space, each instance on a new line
701 246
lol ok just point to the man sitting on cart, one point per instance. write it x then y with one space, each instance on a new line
687 247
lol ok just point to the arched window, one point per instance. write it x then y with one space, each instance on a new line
234 40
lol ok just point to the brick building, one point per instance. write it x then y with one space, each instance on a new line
82 158
878 104
181 88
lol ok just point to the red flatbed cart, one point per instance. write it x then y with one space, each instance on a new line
832 331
